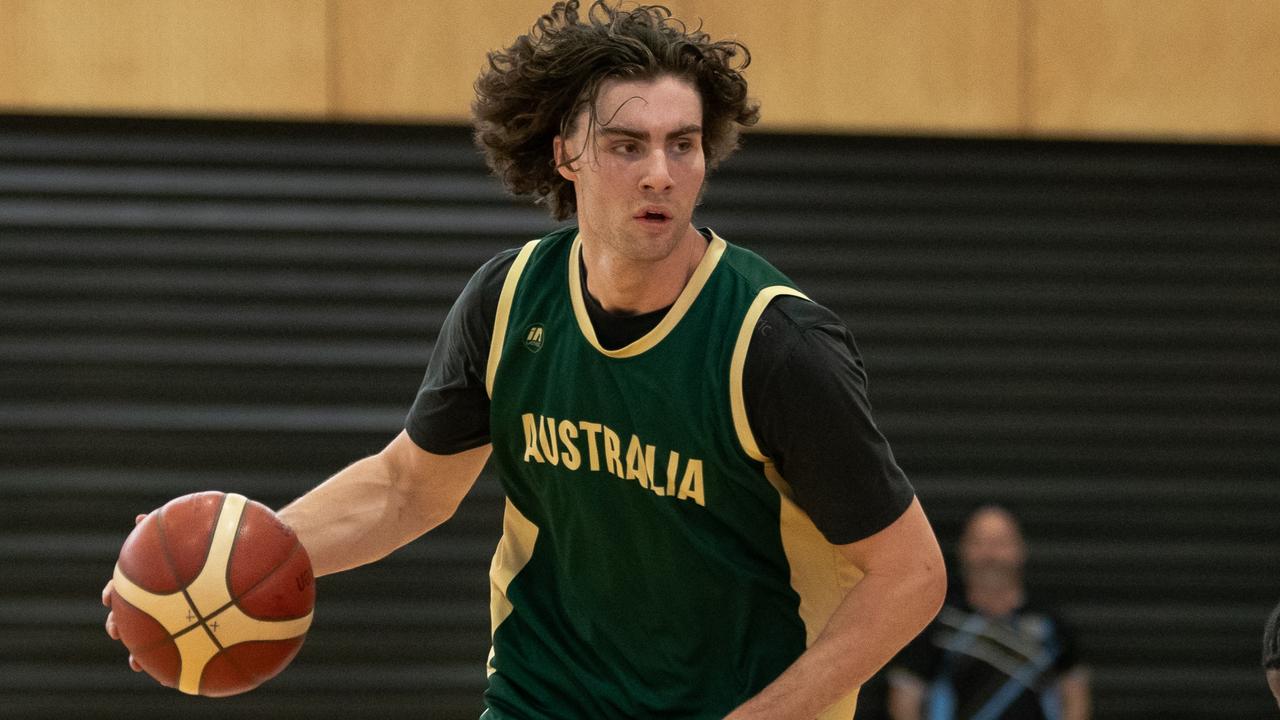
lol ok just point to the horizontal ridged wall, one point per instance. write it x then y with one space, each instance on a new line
1085 332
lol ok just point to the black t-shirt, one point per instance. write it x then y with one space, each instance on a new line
804 385
1004 668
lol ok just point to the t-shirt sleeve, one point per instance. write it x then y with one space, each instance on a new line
805 389
450 413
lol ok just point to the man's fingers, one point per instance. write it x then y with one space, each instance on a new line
112 630
114 633
106 589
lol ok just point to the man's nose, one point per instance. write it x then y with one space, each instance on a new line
657 173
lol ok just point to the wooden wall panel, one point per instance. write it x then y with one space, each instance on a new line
1155 68
405 58
242 57
1147 68
408 59
917 65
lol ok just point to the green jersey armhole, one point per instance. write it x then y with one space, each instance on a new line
504 313
737 397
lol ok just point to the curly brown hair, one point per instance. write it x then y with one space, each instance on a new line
535 89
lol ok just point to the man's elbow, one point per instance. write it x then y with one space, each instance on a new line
919 550
422 509
935 591
420 517
931 590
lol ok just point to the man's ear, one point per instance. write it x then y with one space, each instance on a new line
566 171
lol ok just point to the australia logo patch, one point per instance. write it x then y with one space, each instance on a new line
533 337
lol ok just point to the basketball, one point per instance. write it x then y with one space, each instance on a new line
213 594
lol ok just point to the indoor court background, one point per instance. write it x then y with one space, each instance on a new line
229 233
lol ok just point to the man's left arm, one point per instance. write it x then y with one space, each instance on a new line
902 589
806 398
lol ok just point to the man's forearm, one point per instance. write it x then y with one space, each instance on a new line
873 622
355 517
380 503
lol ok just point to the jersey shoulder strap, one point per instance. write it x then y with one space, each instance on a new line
505 299
766 283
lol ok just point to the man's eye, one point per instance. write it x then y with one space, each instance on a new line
627 148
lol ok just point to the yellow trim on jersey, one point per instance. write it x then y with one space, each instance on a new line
820 574
737 398
512 554
504 312
690 293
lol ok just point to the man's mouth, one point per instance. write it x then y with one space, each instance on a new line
653 215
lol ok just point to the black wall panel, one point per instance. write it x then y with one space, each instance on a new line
1086 332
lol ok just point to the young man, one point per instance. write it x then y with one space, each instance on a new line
644 388
991 654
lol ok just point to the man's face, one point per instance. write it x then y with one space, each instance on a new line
641 168
1273 680
992 548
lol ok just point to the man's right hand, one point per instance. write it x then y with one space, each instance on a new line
112 631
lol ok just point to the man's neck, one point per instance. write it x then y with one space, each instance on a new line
626 286
995 600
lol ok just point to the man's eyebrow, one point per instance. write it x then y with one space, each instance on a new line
642 135
686 130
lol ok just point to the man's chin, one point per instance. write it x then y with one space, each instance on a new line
647 244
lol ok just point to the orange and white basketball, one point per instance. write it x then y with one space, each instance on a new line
213 594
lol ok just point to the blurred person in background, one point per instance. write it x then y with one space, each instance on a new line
1271 652
990 654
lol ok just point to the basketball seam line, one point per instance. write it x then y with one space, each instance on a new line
226 580
208 545
173 567
185 630
297 545
245 676
164 551
202 622
168 638
173 571
248 678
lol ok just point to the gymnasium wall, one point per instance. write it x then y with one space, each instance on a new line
1086 332
1190 69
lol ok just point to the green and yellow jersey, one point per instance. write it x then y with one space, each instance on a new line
654 562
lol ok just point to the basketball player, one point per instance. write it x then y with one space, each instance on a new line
990 654
702 520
